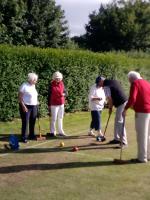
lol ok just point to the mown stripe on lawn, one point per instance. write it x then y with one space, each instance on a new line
32 146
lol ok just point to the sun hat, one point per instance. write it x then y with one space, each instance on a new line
57 75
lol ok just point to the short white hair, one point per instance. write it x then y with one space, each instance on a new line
32 76
133 75
57 75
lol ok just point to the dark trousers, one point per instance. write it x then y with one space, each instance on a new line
96 120
28 118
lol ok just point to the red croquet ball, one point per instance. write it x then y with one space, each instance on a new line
75 148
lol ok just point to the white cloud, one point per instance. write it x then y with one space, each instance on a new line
77 12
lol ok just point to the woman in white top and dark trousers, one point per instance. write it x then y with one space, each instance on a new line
96 104
28 101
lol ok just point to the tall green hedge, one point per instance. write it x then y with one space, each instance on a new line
79 68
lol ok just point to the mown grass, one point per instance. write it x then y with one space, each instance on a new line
43 170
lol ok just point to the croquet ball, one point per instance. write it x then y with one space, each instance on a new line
62 144
75 148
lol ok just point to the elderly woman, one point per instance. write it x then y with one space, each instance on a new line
96 105
56 100
139 100
28 101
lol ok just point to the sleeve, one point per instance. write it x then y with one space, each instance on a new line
21 88
91 93
132 96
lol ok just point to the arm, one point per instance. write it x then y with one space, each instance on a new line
20 98
109 99
96 98
132 98
110 104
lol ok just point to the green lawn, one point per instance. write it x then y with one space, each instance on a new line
41 170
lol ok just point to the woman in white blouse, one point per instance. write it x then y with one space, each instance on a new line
96 104
28 101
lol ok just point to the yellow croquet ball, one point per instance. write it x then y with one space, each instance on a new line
62 144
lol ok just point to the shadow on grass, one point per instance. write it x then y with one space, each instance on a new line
56 166
5 137
90 146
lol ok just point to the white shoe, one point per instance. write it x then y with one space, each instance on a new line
62 134
124 145
91 133
99 133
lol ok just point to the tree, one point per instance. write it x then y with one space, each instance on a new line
11 19
121 25
45 25
33 22
80 40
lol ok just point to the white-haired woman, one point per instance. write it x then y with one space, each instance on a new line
139 100
56 101
28 101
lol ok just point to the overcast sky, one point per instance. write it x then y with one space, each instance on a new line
77 11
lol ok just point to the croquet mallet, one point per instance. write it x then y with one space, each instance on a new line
107 123
40 138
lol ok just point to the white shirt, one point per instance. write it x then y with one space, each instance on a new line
29 94
99 93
